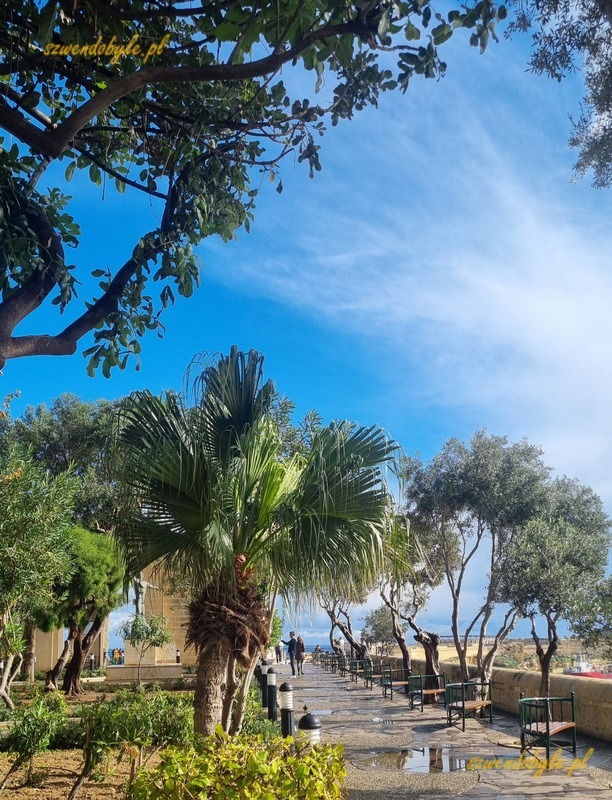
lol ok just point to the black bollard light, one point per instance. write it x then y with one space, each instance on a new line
263 683
310 728
272 705
285 699
92 662
177 655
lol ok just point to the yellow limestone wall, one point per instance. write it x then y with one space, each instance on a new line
157 601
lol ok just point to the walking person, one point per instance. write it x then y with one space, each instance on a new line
279 652
300 655
291 648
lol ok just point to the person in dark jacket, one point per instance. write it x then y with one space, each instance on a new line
300 655
291 650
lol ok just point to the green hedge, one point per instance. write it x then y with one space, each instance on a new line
244 767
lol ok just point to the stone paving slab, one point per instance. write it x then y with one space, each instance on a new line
376 731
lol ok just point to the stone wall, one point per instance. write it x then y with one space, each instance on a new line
593 695
149 673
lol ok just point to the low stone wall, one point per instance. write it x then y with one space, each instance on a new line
149 673
593 695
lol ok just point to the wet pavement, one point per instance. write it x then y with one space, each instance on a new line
393 752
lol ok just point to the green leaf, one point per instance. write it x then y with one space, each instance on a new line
70 170
411 32
46 22
441 33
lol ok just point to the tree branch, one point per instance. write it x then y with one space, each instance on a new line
13 122
31 294
56 141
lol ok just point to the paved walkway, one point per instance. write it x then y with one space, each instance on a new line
395 753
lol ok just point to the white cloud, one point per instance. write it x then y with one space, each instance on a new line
476 274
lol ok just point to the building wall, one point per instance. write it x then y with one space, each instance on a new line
175 609
49 647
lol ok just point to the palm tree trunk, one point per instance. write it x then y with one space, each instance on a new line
210 686
231 687
241 699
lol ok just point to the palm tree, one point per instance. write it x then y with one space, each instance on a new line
215 504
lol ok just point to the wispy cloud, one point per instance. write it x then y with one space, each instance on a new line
472 268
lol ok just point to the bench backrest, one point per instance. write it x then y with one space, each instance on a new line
468 690
546 709
420 682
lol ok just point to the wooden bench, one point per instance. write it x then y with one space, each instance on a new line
469 697
541 718
355 669
371 672
392 679
423 686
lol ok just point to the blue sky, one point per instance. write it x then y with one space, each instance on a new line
441 274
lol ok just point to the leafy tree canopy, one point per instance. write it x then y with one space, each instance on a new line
72 435
569 37
591 617
378 626
476 498
34 520
94 588
192 114
557 558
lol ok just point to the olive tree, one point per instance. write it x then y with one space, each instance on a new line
557 558
591 616
474 499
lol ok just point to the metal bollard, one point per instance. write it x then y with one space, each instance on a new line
92 662
285 698
310 728
177 655
272 706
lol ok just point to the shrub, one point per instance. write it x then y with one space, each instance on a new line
68 736
130 722
33 730
255 721
244 767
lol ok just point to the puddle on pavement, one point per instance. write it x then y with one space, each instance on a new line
433 760
318 712
368 711
318 700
